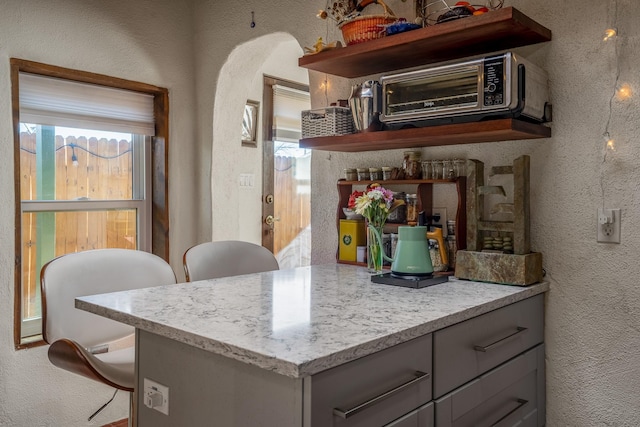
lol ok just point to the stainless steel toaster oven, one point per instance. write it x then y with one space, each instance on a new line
502 85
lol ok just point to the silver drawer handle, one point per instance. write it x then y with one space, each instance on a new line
519 329
521 403
361 407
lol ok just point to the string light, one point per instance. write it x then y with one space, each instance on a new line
609 34
74 158
624 92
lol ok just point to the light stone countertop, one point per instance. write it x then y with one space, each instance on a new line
301 321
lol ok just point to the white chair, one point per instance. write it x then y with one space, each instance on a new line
226 258
84 343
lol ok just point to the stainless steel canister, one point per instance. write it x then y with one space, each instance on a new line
365 103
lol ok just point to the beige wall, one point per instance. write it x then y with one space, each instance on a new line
593 309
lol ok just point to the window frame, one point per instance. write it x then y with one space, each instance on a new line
158 184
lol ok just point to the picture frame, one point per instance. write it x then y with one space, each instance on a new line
250 124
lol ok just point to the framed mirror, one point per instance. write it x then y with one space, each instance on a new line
250 124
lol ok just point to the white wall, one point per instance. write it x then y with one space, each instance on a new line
593 309
147 41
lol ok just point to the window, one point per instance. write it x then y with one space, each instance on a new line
90 169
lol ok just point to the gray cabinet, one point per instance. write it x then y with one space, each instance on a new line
466 350
511 394
489 370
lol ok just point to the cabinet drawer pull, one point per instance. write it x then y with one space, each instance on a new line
521 403
519 329
361 407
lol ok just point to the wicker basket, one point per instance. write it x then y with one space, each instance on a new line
368 27
365 28
327 121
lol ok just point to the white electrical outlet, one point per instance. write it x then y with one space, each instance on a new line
156 396
609 222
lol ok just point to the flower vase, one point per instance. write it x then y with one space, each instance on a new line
374 251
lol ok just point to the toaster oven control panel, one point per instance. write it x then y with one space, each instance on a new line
494 81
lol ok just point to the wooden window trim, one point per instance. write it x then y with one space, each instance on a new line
159 163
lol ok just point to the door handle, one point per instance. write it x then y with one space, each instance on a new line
521 403
485 348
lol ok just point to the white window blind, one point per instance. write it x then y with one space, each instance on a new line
287 105
58 102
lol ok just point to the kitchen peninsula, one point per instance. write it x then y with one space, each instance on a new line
322 346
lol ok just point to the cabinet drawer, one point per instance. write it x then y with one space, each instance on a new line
421 417
374 390
512 394
470 348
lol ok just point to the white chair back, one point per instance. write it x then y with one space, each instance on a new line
211 260
94 272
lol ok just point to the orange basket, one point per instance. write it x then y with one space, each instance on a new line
365 28
368 27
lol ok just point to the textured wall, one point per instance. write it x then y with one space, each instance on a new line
147 41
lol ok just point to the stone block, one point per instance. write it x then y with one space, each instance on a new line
508 269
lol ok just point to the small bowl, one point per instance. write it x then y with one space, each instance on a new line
351 214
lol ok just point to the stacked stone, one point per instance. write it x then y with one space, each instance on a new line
498 243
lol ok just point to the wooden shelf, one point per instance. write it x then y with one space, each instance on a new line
399 182
501 29
431 136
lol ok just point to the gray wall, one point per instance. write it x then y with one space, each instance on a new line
592 322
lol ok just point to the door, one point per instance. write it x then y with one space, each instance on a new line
286 198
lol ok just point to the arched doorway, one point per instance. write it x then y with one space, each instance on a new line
237 171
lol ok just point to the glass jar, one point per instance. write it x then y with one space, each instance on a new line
460 167
412 209
426 169
363 174
375 174
448 170
436 169
399 214
411 165
351 174
386 173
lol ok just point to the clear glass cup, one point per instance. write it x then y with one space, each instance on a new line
412 209
436 169
426 169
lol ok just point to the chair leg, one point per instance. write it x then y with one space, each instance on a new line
103 406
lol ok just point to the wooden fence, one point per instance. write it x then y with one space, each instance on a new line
291 206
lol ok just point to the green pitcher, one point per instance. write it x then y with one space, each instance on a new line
412 252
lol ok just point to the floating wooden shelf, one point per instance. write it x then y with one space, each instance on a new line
431 136
500 29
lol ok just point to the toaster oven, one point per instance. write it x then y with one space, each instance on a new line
503 85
